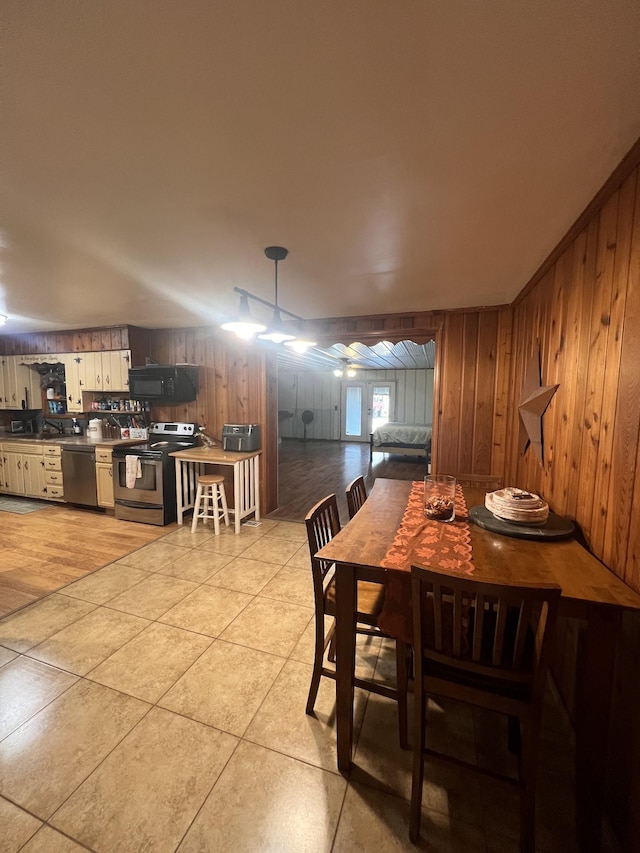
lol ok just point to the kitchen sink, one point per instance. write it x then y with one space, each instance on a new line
42 436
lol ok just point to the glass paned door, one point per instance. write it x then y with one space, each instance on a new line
381 405
354 412
365 405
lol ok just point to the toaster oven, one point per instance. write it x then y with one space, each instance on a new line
25 427
241 438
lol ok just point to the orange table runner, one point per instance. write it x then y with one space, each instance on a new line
444 545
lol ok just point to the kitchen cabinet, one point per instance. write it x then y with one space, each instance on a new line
104 371
23 469
4 382
115 370
19 384
71 363
104 477
52 457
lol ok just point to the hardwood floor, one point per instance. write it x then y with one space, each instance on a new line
43 551
310 470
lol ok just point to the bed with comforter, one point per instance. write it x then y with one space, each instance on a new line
409 439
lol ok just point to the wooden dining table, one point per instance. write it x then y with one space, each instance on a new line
590 591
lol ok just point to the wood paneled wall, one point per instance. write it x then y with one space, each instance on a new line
471 388
584 313
237 384
583 310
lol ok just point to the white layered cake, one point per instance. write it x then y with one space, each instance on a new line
516 505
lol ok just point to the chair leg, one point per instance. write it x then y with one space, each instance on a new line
417 780
402 681
317 663
332 649
528 772
215 499
205 504
514 740
196 509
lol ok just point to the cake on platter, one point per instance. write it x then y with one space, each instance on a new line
517 505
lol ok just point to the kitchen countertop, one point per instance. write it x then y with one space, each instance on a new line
68 440
213 455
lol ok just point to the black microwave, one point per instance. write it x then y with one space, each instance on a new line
172 383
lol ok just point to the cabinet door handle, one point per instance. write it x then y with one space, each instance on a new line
26 464
19 466
98 379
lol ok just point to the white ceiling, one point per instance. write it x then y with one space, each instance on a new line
410 154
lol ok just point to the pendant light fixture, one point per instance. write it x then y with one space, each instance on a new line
245 326
276 332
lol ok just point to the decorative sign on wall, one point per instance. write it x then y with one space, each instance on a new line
534 399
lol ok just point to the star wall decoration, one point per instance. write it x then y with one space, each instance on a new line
534 400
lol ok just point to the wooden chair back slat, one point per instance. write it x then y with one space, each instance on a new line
356 495
322 523
524 620
458 629
478 627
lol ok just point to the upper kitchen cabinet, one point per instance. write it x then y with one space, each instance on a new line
103 371
71 363
19 385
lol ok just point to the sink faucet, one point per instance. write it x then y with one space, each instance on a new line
57 425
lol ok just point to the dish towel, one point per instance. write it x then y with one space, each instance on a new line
133 470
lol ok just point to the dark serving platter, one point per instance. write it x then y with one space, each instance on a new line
555 527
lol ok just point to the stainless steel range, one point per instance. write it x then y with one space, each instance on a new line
146 492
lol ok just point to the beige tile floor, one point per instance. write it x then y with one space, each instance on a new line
158 705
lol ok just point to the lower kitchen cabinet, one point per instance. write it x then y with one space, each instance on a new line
52 454
104 477
23 470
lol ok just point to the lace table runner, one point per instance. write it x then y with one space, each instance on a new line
435 544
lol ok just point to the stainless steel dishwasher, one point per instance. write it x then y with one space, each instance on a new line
79 475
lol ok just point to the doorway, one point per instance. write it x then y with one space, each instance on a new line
365 406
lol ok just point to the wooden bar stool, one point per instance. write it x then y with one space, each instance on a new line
214 501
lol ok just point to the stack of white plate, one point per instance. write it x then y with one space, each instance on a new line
516 505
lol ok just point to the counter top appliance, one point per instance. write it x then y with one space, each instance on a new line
241 438
25 427
152 497
177 383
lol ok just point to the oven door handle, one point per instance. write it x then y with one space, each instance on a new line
138 504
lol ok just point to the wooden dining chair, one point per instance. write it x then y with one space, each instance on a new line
488 645
356 495
323 523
